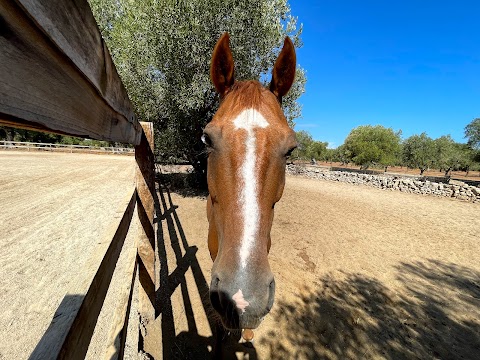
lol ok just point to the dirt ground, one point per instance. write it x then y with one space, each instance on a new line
360 273
55 209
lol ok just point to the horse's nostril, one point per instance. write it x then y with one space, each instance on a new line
215 281
216 301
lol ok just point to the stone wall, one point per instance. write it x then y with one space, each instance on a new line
409 184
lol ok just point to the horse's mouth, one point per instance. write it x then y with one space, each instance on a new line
233 317
231 320
242 322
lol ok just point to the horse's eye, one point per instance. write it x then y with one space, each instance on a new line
206 140
289 152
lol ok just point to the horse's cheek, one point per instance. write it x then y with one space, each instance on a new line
209 208
212 239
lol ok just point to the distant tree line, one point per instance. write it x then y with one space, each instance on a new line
377 146
308 148
366 146
21 135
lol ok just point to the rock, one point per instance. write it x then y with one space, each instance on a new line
456 189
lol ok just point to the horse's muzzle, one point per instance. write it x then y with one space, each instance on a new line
242 305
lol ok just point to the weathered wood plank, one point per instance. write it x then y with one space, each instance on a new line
71 329
73 29
118 331
56 73
145 180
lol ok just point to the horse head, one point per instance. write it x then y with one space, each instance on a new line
248 142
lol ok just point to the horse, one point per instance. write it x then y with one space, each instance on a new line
248 141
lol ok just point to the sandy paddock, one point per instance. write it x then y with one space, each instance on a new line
55 209
360 272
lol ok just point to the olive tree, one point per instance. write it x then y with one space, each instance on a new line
450 155
367 145
304 139
419 152
162 50
317 150
472 133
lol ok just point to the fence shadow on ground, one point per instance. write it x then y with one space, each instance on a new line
187 344
434 314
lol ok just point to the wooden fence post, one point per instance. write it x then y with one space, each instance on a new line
145 180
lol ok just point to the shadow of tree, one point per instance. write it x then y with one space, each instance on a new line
432 313
184 184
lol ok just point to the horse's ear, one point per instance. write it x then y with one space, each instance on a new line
221 68
283 72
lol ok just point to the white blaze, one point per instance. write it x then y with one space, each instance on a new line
249 120
240 301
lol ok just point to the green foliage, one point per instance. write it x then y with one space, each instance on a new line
472 133
34 136
308 148
419 152
304 139
468 158
330 155
450 155
474 161
21 135
342 154
70 140
367 145
3 133
317 150
162 50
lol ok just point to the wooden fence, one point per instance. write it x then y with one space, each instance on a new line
56 75
12 145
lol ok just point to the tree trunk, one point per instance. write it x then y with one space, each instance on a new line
10 134
200 172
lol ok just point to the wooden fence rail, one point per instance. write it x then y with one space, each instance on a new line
56 75
64 147
69 335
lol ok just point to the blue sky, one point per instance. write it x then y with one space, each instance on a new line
412 65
